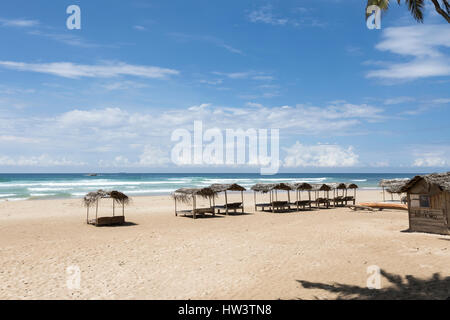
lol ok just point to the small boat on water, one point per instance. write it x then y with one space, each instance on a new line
91 174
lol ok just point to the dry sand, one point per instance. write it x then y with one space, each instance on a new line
253 256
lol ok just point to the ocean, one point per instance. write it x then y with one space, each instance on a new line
15 187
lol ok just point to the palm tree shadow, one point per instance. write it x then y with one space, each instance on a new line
409 288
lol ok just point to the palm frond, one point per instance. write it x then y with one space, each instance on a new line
416 8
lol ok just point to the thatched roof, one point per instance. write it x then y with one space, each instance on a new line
335 185
394 185
266 187
300 186
351 186
262 187
186 194
282 186
226 187
441 180
321 187
92 197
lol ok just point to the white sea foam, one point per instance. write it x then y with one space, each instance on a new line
17 199
151 191
96 183
7 195
48 189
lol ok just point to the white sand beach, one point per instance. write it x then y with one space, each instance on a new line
253 256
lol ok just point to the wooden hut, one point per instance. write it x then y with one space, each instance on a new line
218 188
393 186
347 198
339 190
299 202
321 200
262 188
272 189
118 198
428 198
189 196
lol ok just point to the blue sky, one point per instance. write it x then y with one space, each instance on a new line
107 97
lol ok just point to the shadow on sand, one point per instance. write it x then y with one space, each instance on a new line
410 288
234 214
125 224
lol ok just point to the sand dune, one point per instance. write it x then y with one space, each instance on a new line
252 256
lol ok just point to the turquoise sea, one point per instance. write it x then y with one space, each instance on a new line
15 187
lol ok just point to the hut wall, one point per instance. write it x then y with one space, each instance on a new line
447 206
427 209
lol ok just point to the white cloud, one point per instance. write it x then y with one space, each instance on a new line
431 156
72 70
143 138
199 107
38 161
422 44
20 23
108 117
234 75
380 164
254 105
430 160
154 156
321 155
7 138
265 15
123 85
211 82
398 100
441 101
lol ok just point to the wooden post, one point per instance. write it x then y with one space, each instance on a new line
309 196
214 205
289 200
226 202
123 210
176 213
254 198
273 208
87 215
194 198
328 199
96 212
334 197
114 208
242 198
298 193
354 196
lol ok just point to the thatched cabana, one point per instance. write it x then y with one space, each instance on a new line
393 186
189 196
347 198
298 188
325 200
428 199
272 189
93 198
337 200
218 188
